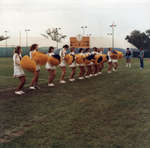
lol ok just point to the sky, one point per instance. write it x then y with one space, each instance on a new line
70 15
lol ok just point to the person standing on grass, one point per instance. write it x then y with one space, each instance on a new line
62 65
34 83
128 58
141 57
50 68
73 65
18 71
109 53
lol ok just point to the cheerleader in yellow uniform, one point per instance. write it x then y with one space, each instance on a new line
109 55
101 65
62 65
34 83
95 66
73 65
18 71
82 65
51 68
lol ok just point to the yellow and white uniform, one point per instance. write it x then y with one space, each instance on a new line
37 65
82 63
109 56
48 66
62 55
18 71
74 62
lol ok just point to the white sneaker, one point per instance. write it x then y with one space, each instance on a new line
51 85
109 72
32 88
62 82
87 77
18 93
91 75
71 80
100 73
22 92
81 78
95 74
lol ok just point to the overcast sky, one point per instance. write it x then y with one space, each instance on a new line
38 15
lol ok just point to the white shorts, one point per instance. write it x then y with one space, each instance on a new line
38 68
73 65
50 67
115 61
62 64
81 65
18 72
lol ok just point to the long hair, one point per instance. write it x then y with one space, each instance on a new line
33 47
80 50
50 49
17 50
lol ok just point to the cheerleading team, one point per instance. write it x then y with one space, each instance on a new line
51 68
88 65
18 71
34 83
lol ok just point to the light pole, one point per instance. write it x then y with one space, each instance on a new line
113 34
27 30
6 36
57 33
83 29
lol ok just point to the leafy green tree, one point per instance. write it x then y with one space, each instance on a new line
139 39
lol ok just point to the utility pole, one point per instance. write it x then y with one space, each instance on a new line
113 34
27 30
6 36
57 35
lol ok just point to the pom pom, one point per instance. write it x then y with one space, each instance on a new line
54 60
40 58
28 64
80 59
69 59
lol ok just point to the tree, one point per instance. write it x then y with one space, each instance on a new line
54 35
139 39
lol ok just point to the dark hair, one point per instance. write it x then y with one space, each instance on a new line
50 49
141 48
66 46
17 49
80 50
33 47
87 49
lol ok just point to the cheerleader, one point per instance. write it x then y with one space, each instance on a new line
72 66
88 66
81 66
50 68
115 62
34 83
101 65
95 66
18 71
109 53
128 58
62 65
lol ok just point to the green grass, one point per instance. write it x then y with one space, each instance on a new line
108 111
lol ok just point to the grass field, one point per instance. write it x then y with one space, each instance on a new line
108 111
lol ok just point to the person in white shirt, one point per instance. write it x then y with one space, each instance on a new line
109 53
95 66
62 65
73 65
50 68
18 71
81 66
34 83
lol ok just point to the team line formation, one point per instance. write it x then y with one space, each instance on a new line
90 63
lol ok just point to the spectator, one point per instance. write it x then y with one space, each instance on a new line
141 57
128 58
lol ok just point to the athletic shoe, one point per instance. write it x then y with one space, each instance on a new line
62 82
51 85
109 72
91 75
22 92
18 93
95 74
87 77
81 78
71 80
32 88
100 73
37 87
